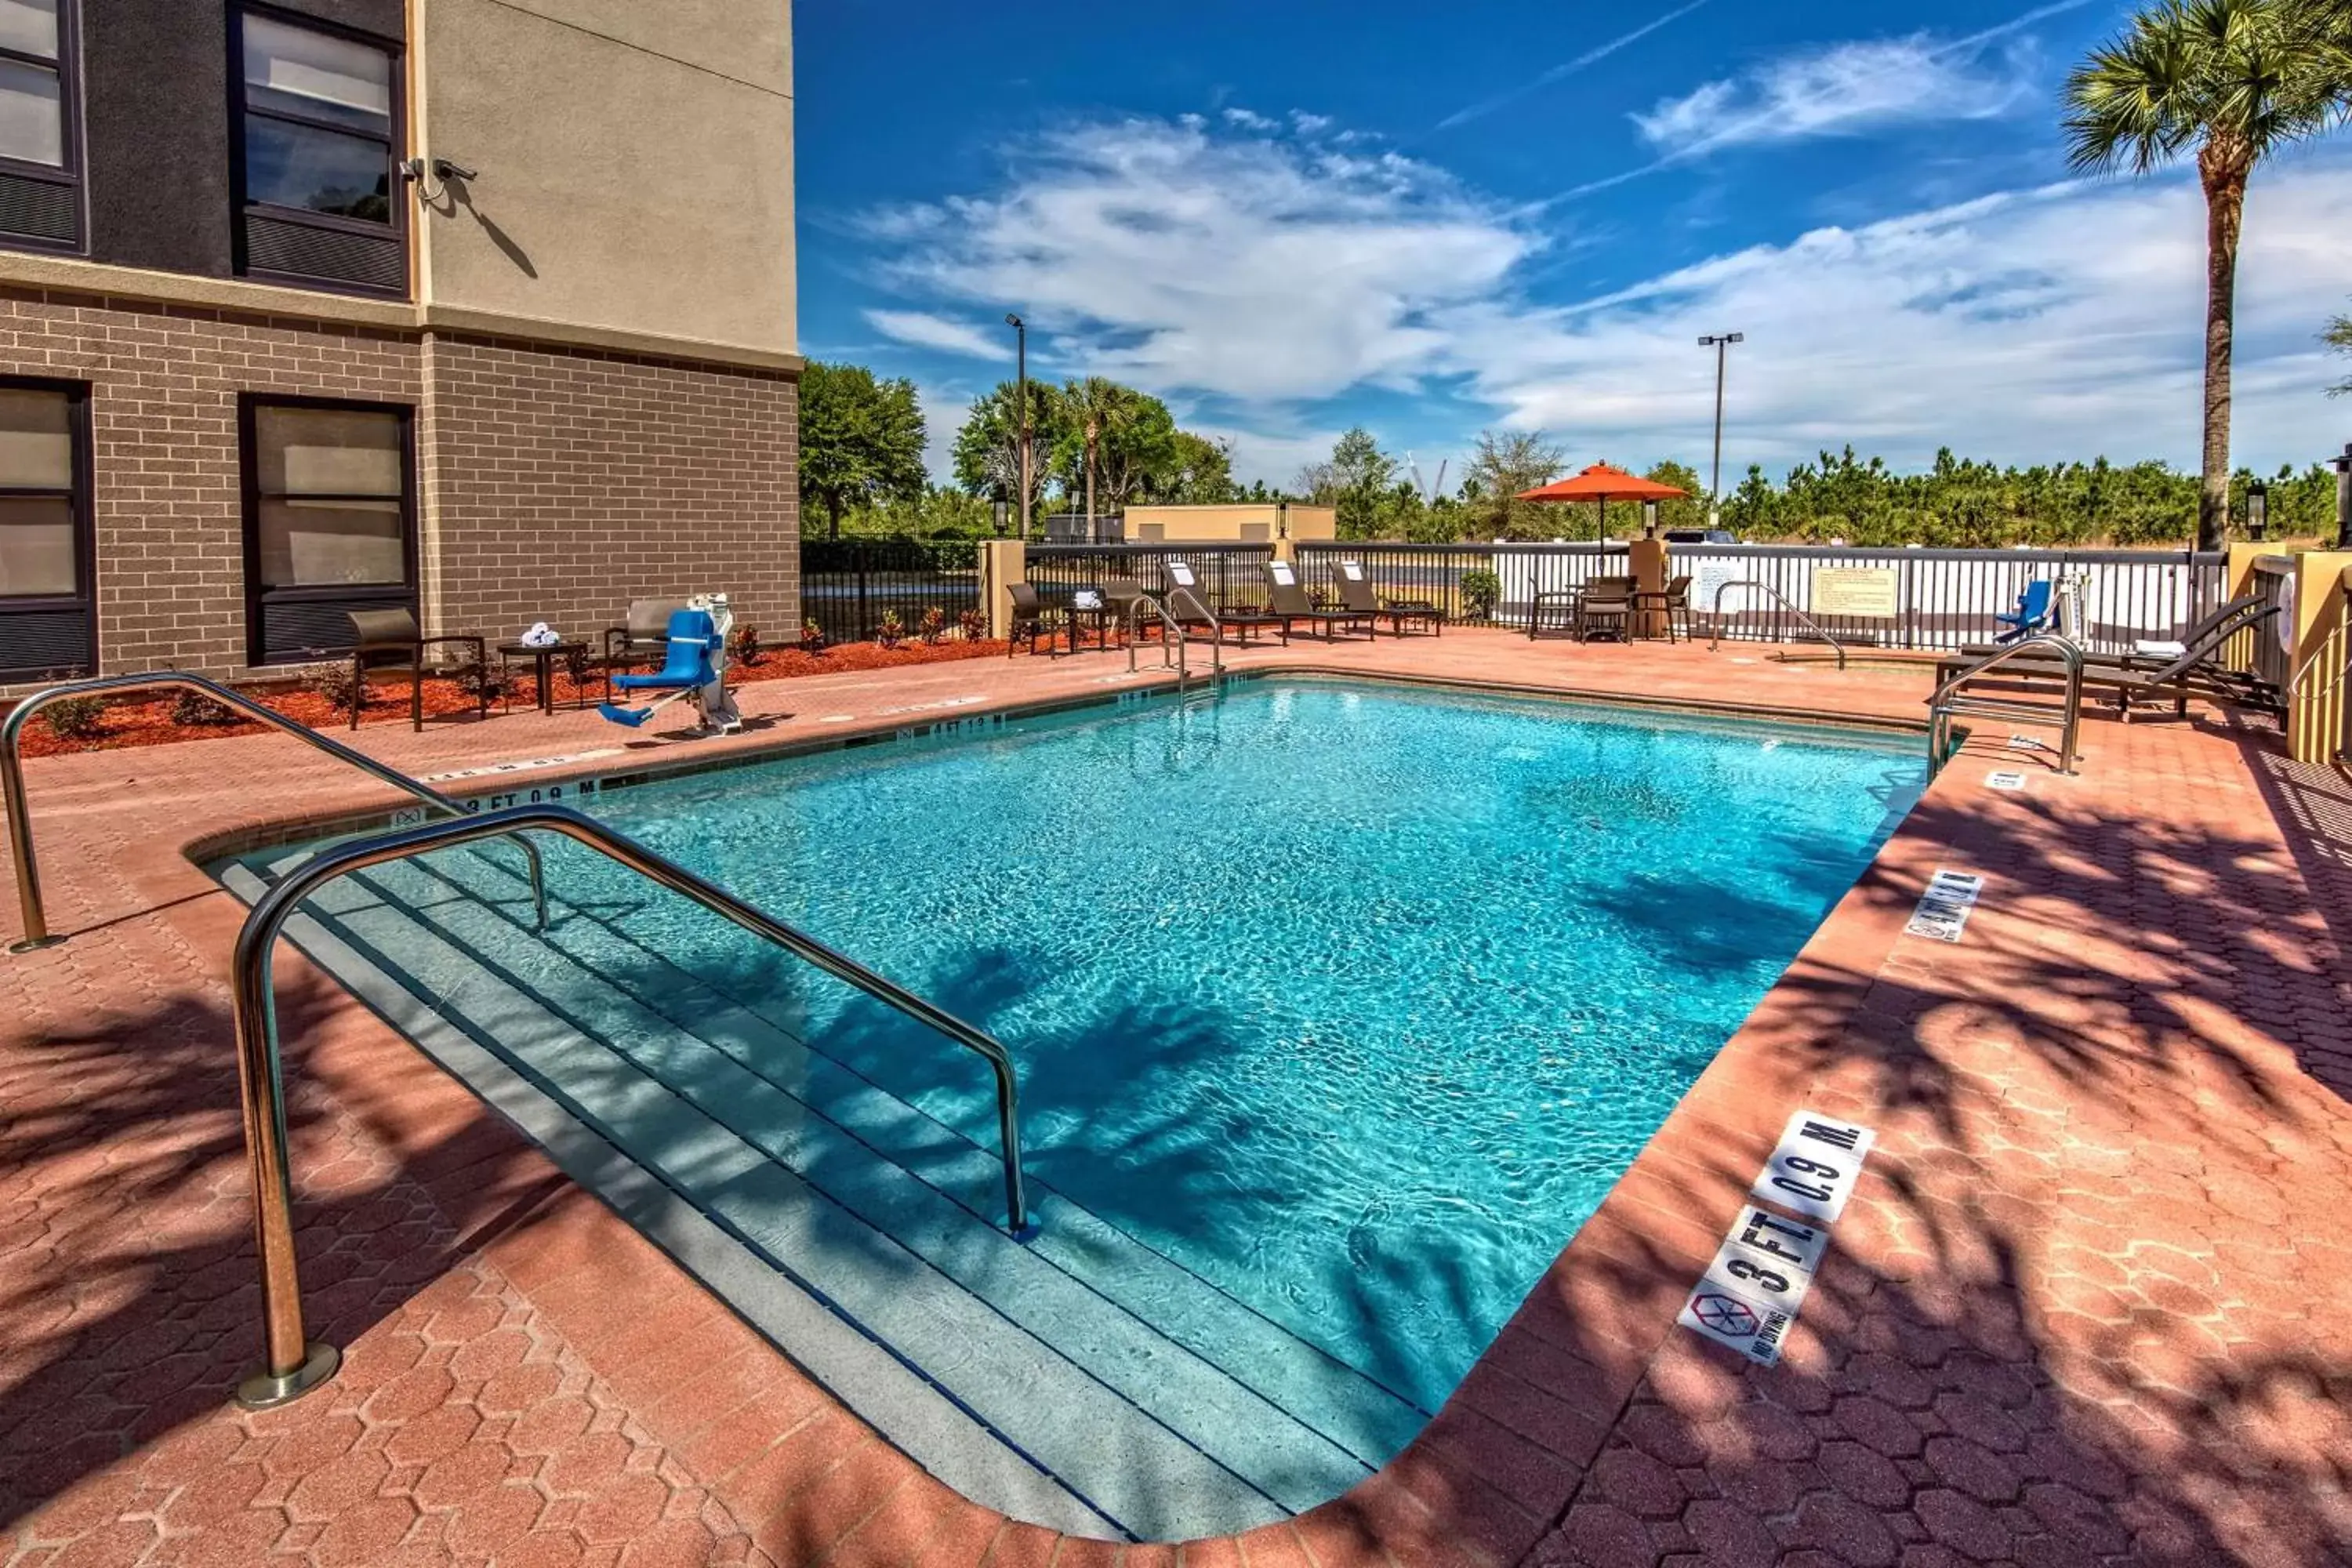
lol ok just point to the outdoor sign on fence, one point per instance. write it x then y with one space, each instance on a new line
1854 591
1710 578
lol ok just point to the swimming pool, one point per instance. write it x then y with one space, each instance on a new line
1338 1006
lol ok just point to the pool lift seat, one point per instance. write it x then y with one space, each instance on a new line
696 671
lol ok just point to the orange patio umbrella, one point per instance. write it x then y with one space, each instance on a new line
1602 484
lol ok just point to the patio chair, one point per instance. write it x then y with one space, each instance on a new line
377 634
2032 615
1028 619
1287 599
1355 594
1606 605
1671 602
642 637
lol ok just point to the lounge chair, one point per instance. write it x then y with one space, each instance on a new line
1191 612
378 632
1671 602
2196 668
2032 615
1355 594
1287 600
2145 654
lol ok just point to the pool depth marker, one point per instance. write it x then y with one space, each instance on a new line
1750 1293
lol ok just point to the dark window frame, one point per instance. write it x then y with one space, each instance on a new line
403 594
395 142
82 499
68 175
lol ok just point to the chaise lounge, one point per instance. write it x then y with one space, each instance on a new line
1287 600
1356 597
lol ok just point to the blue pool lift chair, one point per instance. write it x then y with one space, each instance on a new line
693 670
2032 615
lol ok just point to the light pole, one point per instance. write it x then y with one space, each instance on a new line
1721 343
2344 498
1021 415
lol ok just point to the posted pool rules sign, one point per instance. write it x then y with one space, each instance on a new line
1750 1296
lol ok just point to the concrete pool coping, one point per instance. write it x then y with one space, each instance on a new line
1493 1475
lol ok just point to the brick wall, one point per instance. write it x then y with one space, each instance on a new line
168 511
560 485
554 485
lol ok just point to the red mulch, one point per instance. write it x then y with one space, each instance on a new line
147 720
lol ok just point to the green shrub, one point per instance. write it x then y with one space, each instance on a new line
1479 591
339 685
892 631
76 717
973 624
194 711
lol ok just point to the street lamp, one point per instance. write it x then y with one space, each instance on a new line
1021 416
2258 512
1721 343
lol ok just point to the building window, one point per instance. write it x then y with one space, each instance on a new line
329 522
47 620
319 167
40 188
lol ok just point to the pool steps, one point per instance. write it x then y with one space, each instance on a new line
1170 1413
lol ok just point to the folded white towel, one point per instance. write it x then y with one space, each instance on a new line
2159 647
541 635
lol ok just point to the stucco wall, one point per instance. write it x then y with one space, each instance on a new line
635 164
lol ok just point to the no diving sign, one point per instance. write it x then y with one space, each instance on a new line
1750 1296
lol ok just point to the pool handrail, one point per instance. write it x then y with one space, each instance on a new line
1942 702
293 1363
20 823
1175 631
1715 639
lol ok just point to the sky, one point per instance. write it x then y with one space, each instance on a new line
1289 217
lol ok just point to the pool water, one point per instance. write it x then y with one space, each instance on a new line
1353 1001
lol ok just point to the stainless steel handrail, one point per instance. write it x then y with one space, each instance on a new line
1939 715
1171 631
20 821
1715 639
293 1363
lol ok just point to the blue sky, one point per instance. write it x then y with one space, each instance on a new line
1288 217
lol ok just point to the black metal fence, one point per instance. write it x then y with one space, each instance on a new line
1943 598
848 585
1229 574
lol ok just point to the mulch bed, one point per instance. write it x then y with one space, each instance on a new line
147 720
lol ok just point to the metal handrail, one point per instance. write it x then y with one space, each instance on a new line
1174 631
293 1363
1939 714
1715 640
20 821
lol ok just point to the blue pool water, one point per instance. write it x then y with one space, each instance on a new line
1352 1000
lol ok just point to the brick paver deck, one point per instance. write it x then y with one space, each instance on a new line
2089 1306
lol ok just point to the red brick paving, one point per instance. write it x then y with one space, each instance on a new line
2077 1313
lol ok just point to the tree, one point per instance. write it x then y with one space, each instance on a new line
1355 482
2339 337
1200 472
988 447
2236 81
1089 413
1138 451
1503 464
861 439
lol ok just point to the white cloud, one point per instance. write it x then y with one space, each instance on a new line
1262 268
2037 325
1248 119
925 330
1566 68
1839 90
1259 280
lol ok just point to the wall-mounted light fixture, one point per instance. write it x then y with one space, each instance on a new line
2258 512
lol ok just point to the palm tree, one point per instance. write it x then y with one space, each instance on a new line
2235 81
1089 409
